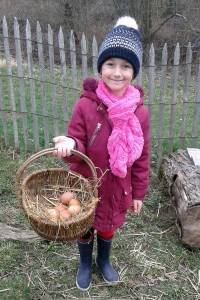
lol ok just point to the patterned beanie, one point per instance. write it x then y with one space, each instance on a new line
123 41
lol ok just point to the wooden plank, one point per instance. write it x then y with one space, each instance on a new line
187 78
196 114
3 116
162 102
20 73
139 77
84 56
73 66
151 84
172 120
63 72
32 85
10 82
94 56
52 79
42 84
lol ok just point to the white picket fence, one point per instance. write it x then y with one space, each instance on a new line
37 94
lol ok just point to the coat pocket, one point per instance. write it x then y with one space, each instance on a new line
94 134
126 198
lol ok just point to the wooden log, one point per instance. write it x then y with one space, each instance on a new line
180 163
14 233
182 178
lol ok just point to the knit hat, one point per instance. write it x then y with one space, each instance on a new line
123 41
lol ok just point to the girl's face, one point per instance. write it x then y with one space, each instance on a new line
117 74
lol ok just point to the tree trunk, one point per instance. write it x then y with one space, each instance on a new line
183 181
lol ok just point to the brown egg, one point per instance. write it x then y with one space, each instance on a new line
74 209
74 202
65 214
66 197
53 214
60 207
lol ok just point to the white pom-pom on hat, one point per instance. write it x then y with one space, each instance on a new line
123 41
127 21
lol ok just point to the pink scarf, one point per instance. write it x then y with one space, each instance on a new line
126 141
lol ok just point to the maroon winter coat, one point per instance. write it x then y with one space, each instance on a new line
90 127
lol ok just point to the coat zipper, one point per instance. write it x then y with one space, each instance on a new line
97 128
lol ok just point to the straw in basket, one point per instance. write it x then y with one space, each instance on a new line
40 190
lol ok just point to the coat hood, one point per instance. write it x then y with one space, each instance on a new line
90 85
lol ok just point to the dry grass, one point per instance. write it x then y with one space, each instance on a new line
147 251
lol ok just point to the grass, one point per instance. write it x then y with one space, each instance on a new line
147 251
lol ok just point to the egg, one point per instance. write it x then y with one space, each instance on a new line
74 206
74 202
53 214
66 197
60 207
74 209
65 214
67 208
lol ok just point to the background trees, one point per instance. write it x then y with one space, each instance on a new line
160 21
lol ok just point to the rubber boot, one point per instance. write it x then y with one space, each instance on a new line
84 274
110 275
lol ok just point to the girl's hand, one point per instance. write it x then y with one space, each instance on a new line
136 206
63 146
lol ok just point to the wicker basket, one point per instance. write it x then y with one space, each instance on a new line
38 189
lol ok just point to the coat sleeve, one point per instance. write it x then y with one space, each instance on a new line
141 167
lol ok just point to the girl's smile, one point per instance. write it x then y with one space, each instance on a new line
117 74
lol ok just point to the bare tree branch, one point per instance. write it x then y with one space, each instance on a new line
164 22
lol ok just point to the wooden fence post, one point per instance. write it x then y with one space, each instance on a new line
139 77
52 79
94 56
10 82
3 115
32 85
151 84
73 65
20 73
63 72
162 102
196 114
174 97
42 84
187 78
84 56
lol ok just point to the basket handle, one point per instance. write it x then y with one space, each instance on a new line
49 151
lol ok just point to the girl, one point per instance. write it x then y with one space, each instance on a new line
110 125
